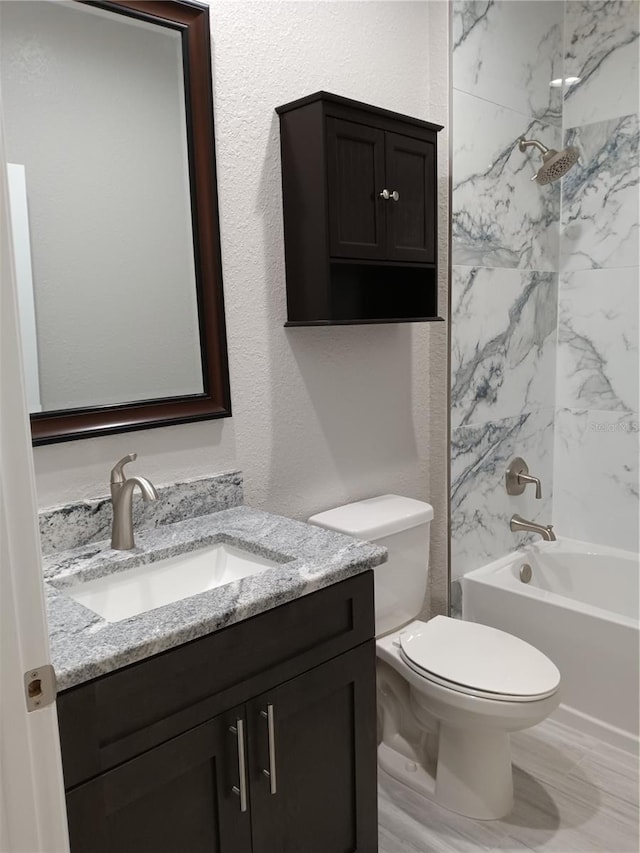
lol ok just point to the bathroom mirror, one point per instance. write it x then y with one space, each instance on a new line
108 123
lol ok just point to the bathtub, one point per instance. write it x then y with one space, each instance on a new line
581 609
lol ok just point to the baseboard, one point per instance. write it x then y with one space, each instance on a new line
619 738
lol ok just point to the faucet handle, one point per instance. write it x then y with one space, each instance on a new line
527 478
117 473
517 477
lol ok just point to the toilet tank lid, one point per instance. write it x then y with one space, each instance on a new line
376 517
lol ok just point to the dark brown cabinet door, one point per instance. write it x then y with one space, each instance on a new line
176 798
320 794
410 172
355 170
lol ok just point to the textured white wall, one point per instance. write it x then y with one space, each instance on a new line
320 416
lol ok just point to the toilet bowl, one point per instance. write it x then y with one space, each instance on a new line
449 692
468 706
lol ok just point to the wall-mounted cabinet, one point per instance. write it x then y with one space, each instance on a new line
360 213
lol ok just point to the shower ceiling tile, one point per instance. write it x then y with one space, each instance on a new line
507 53
598 361
500 218
596 477
480 506
503 343
600 211
601 48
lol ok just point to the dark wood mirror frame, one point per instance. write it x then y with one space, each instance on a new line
192 21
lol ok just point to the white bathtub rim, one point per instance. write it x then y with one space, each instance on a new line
572 546
490 575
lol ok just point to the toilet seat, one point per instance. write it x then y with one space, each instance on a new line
478 660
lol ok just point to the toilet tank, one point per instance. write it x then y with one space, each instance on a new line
401 525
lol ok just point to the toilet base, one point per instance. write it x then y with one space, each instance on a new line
473 776
404 770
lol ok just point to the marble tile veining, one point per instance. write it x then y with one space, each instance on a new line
600 203
572 793
503 343
601 48
508 232
84 522
507 53
480 506
84 646
499 217
598 365
596 477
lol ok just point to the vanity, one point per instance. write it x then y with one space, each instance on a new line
240 719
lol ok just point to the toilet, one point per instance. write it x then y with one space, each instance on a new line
449 692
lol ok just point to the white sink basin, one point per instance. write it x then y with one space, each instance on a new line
128 593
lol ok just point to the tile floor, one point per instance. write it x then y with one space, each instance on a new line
572 793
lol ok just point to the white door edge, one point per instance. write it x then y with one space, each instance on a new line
32 806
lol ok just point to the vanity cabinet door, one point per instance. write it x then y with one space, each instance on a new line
175 797
321 749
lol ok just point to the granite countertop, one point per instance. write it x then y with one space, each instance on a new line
84 645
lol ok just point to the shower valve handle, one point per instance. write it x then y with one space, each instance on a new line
527 478
517 477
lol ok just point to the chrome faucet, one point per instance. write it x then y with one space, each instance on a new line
520 524
122 500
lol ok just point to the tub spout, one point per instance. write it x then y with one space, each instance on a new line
519 524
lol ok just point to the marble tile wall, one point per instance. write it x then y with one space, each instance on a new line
600 196
505 251
480 506
596 476
597 438
545 279
503 343
601 48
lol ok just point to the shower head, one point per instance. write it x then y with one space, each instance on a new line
555 164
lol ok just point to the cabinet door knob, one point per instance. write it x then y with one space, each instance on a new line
386 195
395 195
238 731
271 772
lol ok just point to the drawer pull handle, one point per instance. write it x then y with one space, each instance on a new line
271 772
238 731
